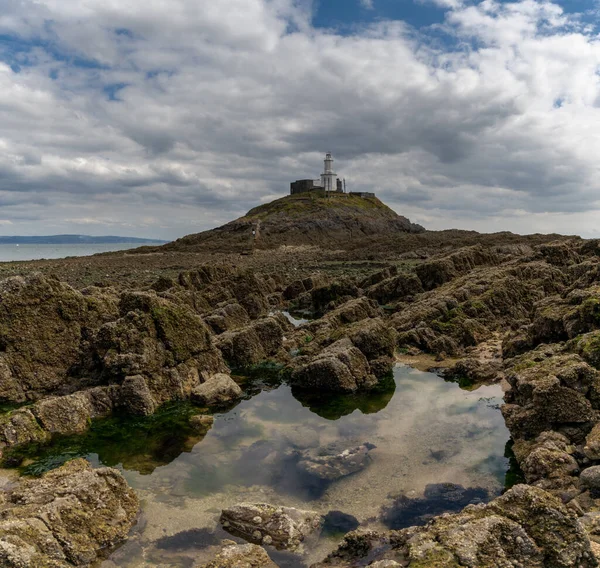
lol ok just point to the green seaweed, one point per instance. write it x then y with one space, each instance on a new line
136 443
514 474
465 383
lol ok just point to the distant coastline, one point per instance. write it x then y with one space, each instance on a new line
74 240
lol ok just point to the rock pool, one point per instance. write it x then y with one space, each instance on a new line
433 446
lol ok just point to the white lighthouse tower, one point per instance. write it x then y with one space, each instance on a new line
328 177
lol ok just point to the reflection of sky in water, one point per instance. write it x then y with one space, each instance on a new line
428 431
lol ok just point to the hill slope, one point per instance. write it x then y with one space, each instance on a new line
338 221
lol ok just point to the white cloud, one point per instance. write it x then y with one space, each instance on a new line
367 4
220 104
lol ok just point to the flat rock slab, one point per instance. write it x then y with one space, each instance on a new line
240 556
334 464
218 390
285 528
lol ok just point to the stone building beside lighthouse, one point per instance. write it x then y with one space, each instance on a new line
328 182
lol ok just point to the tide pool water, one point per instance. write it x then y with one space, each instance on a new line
437 447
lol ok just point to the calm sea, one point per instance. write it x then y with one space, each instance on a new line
36 252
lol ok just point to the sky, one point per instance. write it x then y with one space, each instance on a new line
160 118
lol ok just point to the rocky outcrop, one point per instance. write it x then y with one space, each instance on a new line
396 288
524 527
552 391
165 343
338 221
20 427
341 367
218 390
229 317
282 527
548 462
234 555
253 344
68 517
42 322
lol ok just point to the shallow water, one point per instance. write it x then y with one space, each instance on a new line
9 252
426 431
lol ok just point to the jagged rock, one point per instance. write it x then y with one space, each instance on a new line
396 288
294 290
549 390
547 462
20 427
69 414
475 370
163 342
525 527
135 396
230 317
374 338
352 311
240 556
41 332
163 283
590 478
65 518
252 344
218 390
330 464
283 527
592 443
340 367
334 294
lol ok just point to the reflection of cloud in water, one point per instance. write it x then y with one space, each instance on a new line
427 431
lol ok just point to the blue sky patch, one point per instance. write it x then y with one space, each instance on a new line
112 91
344 15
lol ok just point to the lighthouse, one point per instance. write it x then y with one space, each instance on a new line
328 177
328 182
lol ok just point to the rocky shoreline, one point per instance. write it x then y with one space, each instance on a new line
527 314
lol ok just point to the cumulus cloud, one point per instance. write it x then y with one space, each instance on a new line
169 118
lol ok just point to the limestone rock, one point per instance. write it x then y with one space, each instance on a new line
340 367
135 396
41 332
548 457
592 443
69 414
165 343
240 556
590 478
525 527
330 465
283 527
252 344
550 389
65 518
396 288
219 389
20 427
230 317
374 338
